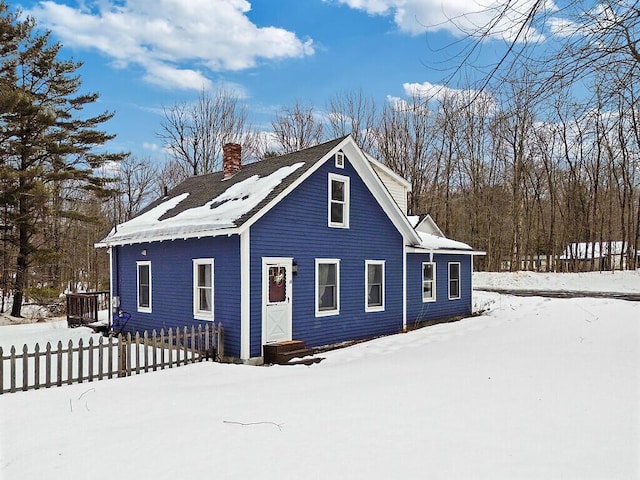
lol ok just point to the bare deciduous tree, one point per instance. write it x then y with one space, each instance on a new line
296 128
195 133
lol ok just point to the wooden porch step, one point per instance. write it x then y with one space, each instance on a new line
282 353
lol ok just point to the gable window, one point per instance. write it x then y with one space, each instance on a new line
428 282
338 201
327 287
203 288
374 285
144 286
339 160
454 280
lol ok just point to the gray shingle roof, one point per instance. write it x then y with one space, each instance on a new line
205 204
204 188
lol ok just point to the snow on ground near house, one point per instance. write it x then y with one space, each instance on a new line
537 388
53 331
627 281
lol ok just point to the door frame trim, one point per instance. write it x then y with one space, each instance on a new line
288 263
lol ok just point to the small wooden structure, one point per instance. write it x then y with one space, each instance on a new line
83 308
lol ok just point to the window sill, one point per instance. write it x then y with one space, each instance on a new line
327 313
374 309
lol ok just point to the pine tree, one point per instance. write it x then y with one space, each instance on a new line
44 142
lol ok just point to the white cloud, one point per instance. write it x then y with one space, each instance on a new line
455 16
174 41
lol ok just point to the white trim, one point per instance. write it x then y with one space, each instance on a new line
197 313
374 308
327 261
411 249
245 295
339 160
404 287
170 237
459 280
139 308
433 282
288 263
346 181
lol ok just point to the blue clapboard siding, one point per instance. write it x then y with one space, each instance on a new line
418 311
172 284
297 228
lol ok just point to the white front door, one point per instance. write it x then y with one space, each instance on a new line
276 299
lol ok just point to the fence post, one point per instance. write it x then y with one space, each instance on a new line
100 358
80 360
220 346
128 353
12 368
36 366
137 340
59 364
90 350
110 358
154 352
25 368
122 356
69 362
1 371
47 365
170 343
145 339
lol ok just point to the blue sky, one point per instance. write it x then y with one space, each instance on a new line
141 55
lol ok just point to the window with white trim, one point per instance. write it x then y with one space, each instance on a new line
327 287
338 201
428 282
454 280
339 160
144 286
374 285
203 288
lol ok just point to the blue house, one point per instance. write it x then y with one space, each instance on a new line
313 246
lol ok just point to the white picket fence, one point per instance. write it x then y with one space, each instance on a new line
110 357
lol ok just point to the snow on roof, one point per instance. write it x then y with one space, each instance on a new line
589 250
220 213
436 242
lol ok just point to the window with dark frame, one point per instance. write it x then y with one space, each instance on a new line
327 280
454 281
144 286
203 288
375 285
338 201
428 281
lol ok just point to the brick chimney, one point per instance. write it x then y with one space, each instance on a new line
231 159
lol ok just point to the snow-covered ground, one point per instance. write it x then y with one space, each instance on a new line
536 388
627 281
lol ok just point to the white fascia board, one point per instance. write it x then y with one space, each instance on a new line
166 238
364 168
445 250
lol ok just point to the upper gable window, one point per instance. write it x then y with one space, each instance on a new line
339 160
338 201
144 286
